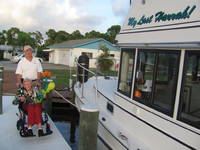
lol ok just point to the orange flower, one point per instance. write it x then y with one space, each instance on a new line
46 74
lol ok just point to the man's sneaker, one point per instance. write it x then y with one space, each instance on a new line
40 133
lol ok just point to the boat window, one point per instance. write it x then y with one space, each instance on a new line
126 71
156 79
189 110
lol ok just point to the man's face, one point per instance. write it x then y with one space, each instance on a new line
28 53
27 85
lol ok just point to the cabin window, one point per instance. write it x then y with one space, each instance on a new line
156 79
126 71
189 110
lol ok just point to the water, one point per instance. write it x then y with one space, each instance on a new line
64 128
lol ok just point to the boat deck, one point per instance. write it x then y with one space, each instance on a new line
10 138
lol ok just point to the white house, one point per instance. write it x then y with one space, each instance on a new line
67 52
6 51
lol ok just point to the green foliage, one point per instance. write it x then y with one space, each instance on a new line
51 33
25 39
12 35
76 35
61 78
16 37
2 38
103 61
112 32
61 36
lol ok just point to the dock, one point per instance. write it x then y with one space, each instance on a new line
10 138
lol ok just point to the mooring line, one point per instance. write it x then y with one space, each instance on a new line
11 94
65 98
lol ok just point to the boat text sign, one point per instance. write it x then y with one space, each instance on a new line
162 16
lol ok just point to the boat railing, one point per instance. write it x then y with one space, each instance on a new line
89 73
83 75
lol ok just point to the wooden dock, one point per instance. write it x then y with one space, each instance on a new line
10 138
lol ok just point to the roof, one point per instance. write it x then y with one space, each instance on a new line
72 43
83 43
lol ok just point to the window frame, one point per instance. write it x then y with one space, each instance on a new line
133 50
151 104
181 98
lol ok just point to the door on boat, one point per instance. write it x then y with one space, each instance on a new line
189 109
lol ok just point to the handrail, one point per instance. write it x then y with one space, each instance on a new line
94 73
96 80
87 69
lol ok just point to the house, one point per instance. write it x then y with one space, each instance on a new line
67 52
6 51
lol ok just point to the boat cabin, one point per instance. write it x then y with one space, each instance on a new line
160 59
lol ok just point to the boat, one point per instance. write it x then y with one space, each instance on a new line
154 103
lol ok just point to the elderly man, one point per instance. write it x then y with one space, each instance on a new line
29 67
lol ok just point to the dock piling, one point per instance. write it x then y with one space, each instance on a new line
88 129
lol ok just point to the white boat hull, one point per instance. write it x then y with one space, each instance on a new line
126 125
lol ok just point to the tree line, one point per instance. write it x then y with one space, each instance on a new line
16 37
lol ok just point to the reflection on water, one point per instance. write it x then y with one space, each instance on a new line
64 128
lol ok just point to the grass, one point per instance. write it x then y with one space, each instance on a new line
62 77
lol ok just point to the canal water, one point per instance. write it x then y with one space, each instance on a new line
66 119
64 128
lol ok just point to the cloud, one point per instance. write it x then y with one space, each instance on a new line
120 7
41 15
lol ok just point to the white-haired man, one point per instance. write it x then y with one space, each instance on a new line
29 67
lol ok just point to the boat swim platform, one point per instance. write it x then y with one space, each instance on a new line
10 138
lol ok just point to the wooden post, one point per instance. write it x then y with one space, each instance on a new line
88 128
1 89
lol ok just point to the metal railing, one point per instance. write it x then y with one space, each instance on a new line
95 74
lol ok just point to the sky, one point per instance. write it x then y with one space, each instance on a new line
67 15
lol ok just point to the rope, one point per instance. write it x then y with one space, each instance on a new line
64 98
11 94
